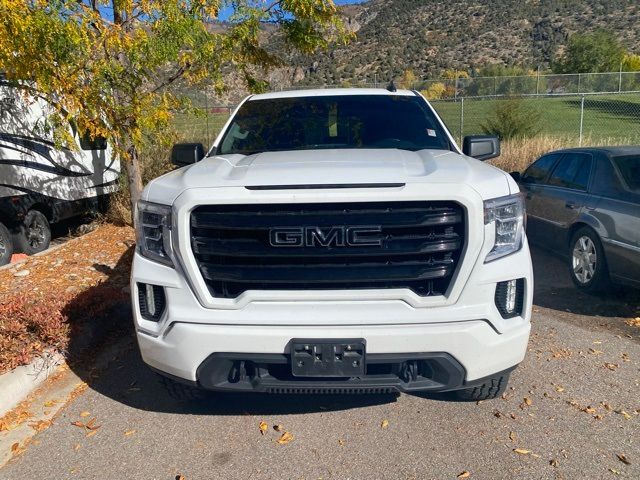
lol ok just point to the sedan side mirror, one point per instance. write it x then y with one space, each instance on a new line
482 147
186 153
516 176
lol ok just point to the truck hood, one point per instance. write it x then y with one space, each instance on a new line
332 167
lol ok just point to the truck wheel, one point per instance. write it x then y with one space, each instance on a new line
35 233
6 245
588 267
492 388
181 392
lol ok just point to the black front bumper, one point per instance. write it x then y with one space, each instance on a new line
384 373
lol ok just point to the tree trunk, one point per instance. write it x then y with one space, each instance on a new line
134 176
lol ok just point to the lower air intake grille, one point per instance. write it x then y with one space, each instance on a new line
328 246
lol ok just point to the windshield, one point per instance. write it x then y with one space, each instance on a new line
337 121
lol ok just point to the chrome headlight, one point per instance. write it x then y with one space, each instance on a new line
507 214
153 230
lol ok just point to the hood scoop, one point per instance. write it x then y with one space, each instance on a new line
324 186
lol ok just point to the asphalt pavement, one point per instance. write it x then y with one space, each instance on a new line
572 411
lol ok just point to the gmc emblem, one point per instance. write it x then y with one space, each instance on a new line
365 236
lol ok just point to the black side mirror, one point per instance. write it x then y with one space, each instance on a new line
482 147
186 153
516 176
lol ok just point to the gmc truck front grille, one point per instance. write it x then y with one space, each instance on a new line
328 246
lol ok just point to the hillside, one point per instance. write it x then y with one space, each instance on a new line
429 36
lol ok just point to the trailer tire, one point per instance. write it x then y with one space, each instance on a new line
6 245
34 234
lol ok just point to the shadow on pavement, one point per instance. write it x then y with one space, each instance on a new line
554 290
126 379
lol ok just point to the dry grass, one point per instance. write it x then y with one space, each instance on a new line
518 154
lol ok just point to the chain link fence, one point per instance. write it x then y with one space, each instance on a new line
548 84
587 118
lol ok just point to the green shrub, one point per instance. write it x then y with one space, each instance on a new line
512 118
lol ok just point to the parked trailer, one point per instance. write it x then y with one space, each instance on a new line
41 182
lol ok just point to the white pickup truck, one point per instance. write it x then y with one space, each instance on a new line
333 241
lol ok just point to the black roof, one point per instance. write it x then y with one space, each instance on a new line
618 151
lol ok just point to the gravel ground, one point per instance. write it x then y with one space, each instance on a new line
572 408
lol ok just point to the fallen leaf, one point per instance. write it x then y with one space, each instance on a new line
559 389
278 428
78 424
384 424
553 462
90 424
606 406
464 474
50 403
623 458
84 414
76 447
15 447
611 366
180 477
129 433
527 401
624 414
625 357
512 436
593 351
589 409
340 442
522 451
614 471
91 433
285 438
263 427
40 425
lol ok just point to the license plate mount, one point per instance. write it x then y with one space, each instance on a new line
328 358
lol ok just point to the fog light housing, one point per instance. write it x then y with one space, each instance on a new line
151 300
509 298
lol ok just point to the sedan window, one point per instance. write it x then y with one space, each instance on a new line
629 167
539 170
572 171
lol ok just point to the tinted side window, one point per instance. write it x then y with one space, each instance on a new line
539 170
572 171
629 167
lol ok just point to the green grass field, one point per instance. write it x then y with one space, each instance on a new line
606 117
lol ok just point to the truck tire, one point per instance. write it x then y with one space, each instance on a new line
34 235
6 245
588 267
182 392
492 388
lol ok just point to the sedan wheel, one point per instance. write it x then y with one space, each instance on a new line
588 266
584 259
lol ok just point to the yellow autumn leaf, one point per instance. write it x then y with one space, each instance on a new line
84 414
91 433
464 474
129 433
263 427
285 438
384 424
522 451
